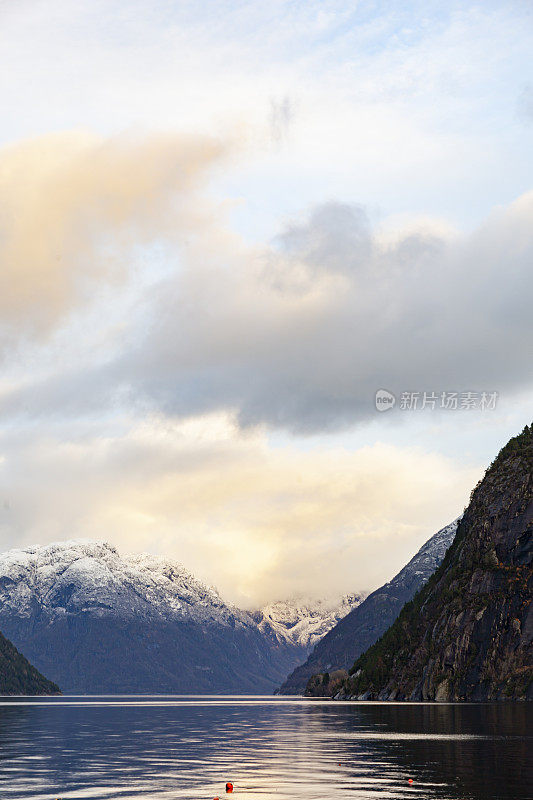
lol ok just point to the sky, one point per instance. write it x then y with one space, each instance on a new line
224 227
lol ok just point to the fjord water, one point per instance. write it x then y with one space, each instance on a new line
188 747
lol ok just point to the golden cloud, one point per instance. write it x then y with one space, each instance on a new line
69 200
257 521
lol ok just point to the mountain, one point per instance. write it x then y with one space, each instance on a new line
468 634
98 622
17 676
302 623
370 619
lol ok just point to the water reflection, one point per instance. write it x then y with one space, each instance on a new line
186 748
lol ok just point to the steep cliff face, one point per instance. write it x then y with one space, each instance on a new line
467 635
18 676
353 634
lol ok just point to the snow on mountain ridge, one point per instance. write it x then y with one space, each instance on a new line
89 576
426 560
303 622
101 623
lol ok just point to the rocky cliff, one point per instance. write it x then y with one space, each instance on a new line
467 635
353 634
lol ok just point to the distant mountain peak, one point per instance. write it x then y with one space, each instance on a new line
304 621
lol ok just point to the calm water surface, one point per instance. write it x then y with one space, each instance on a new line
183 747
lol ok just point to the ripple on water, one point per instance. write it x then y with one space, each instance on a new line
183 747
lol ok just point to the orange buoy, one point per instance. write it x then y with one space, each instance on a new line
229 787
410 780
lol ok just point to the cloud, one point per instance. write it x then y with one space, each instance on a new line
395 104
300 335
73 209
259 522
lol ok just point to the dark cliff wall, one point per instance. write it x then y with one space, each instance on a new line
467 635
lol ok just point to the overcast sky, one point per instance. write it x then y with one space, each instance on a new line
223 228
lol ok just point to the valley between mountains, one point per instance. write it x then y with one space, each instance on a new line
455 623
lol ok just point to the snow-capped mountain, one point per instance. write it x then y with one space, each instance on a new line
369 620
86 576
303 623
97 621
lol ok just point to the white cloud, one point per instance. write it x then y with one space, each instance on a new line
411 106
299 336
